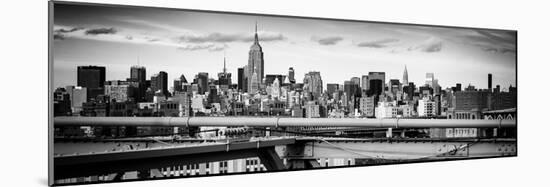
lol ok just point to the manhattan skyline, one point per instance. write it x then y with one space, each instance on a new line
188 42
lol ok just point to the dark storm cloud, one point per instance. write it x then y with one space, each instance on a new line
330 40
97 31
225 38
378 43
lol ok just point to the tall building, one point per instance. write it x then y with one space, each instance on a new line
405 76
313 83
312 110
224 78
291 78
138 76
395 86
275 91
331 89
61 102
430 79
159 82
119 91
92 78
409 90
351 89
379 88
255 62
270 79
356 80
490 82
138 73
366 106
426 108
254 85
179 84
201 80
365 83
240 79
77 96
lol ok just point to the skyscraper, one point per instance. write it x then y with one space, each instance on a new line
138 73
224 78
92 78
291 78
254 85
331 89
379 87
179 82
395 86
430 79
405 77
202 81
352 89
159 82
365 82
313 83
356 80
270 78
240 79
490 82
255 62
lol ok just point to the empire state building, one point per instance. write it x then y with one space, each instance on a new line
255 66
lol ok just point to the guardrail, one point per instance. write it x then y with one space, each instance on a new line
279 122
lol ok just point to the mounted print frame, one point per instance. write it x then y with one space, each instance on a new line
146 93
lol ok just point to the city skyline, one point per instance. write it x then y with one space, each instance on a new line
147 93
188 42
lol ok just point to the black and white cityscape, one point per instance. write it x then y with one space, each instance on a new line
144 93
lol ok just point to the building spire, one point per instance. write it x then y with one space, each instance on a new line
224 69
256 33
405 76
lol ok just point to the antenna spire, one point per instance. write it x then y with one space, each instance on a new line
224 69
256 33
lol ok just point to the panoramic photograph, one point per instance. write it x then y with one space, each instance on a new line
140 93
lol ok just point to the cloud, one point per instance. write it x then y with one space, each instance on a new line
58 36
97 31
67 30
378 43
59 32
430 45
492 41
186 42
498 50
330 40
209 47
217 37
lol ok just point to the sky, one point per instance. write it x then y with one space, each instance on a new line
187 42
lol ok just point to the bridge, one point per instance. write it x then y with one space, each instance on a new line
114 159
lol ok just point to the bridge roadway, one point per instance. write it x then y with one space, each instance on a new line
86 158
80 158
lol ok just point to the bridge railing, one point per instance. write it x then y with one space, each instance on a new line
279 122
